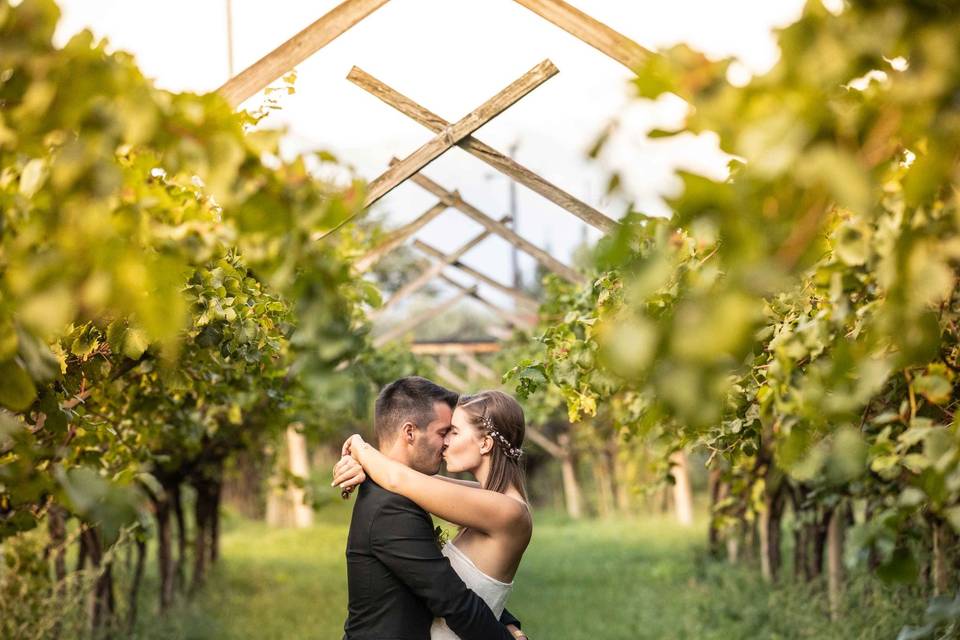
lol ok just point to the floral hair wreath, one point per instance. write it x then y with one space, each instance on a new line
509 450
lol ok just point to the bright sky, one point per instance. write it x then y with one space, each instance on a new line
451 56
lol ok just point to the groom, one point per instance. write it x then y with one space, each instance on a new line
398 580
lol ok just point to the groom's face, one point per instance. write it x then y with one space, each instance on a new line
428 447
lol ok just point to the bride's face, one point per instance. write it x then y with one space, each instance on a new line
463 444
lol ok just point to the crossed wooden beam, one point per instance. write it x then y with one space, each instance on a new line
413 322
350 12
451 134
482 151
345 15
447 375
446 138
428 274
511 319
435 269
491 156
475 369
519 297
453 199
474 366
448 135
409 324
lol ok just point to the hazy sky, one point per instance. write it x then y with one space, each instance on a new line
451 56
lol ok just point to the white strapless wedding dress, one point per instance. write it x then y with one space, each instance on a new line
493 592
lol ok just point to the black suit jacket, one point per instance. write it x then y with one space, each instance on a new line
398 580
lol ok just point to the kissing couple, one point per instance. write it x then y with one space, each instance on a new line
402 584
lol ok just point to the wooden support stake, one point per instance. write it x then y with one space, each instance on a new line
520 297
397 237
453 199
590 30
682 493
411 323
297 49
482 151
563 453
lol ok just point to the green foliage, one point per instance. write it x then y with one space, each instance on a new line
163 299
799 319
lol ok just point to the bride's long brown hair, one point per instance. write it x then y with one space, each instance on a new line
500 411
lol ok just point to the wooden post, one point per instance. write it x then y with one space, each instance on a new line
769 528
397 237
604 485
453 199
589 30
297 49
571 488
520 297
300 467
411 323
562 451
482 151
287 509
682 494
429 274
623 466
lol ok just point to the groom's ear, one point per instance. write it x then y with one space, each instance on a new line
408 432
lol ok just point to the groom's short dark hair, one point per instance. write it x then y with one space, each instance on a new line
409 399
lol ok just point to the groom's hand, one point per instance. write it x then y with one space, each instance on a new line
347 474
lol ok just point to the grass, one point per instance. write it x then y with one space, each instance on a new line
630 579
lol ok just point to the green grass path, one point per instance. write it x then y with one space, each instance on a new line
635 579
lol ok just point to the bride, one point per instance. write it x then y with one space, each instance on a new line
484 439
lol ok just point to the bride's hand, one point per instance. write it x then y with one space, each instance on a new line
351 446
347 474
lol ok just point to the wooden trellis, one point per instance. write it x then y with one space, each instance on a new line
483 151
453 199
435 348
510 318
518 296
345 15
431 272
446 136
450 135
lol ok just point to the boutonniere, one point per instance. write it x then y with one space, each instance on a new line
441 536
